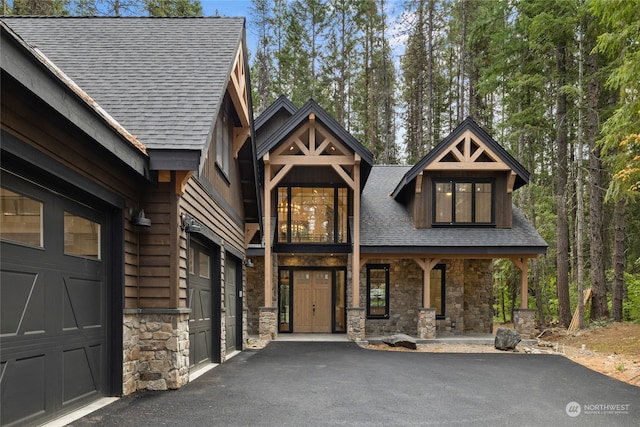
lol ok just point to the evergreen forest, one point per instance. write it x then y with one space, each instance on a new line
556 82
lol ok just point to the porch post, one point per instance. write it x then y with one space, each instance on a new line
267 323
524 318
356 233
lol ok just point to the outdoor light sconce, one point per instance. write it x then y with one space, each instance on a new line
248 263
189 224
138 219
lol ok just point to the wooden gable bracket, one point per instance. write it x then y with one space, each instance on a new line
182 177
240 136
511 181
467 160
419 183
238 88
250 230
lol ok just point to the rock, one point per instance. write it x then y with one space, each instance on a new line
506 339
400 340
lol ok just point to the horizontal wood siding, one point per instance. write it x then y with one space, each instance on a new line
155 281
54 136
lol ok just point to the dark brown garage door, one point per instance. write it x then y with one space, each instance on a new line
53 303
201 297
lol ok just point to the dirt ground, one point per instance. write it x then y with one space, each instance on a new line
613 349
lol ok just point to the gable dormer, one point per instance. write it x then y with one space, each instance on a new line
465 181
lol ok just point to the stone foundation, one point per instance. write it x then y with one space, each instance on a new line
155 351
524 322
268 323
427 323
355 324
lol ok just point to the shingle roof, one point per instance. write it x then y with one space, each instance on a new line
386 226
163 79
522 175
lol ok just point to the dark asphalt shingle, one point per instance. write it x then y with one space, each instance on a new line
386 223
163 79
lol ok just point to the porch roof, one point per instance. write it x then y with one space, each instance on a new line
386 227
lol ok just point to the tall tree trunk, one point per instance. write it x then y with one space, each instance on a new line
619 259
564 308
599 308
580 185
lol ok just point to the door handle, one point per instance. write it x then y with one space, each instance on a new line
314 309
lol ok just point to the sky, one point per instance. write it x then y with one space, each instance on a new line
226 7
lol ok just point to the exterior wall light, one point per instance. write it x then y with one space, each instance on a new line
138 218
189 224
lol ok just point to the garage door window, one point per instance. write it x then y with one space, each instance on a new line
21 219
81 236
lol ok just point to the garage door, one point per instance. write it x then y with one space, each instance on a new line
52 302
201 334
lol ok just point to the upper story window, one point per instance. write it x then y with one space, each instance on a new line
463 202
312 214
222 135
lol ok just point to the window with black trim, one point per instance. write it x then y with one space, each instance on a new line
437 290
222 134
312 214
463 202
378 291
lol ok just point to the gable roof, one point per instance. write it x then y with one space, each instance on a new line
386 227
33 70
321 116
163 79
522 175
279 105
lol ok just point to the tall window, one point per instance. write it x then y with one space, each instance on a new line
437 290
462 202
223 141
378 291
312 215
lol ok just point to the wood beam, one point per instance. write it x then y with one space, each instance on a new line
240 136
237 88
311 160
267 235
511 182
523 266
347 179
419 183
182 177
250 230
356 232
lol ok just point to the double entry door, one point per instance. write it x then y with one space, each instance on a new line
312 301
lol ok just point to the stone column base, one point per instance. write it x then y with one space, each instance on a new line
355 324
268 327
426 323
524 322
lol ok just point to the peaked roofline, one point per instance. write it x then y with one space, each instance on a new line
329 122
282 103
522 175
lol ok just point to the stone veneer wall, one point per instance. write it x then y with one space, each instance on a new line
468 297
478 296
255 294
405 298
155 351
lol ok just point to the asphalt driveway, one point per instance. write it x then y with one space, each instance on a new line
338 383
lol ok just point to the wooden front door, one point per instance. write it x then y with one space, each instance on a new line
312 301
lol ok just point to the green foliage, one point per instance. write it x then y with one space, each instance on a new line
631 305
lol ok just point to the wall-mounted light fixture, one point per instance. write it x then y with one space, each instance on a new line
189 224
138 219
248 263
